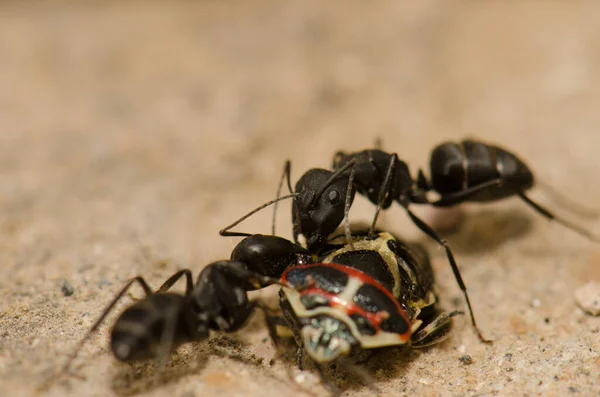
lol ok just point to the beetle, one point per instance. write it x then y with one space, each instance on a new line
376 294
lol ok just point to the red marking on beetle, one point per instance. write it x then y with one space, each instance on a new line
350 308
351 272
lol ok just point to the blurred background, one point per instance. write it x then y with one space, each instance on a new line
131 132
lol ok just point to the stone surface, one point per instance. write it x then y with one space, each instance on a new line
131 132
588 298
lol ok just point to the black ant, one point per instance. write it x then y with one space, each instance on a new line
156 325
468 171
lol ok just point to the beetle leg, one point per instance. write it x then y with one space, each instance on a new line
438 330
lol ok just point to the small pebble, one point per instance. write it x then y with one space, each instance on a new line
466 359
588 298
104 282
66 288
536 303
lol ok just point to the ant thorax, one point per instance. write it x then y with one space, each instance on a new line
327 338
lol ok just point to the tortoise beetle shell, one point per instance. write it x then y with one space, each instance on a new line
374 293
348 299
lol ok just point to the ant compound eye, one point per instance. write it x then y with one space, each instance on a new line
334 197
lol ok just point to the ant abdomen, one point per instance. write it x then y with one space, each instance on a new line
457 166
139 332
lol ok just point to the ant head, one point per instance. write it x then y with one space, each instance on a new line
319 207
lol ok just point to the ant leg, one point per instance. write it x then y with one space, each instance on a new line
378 144
431 233
448 200
422 181
168 333
225 231
335 391
285 175
565 202
147 290
384 191
272 320
347 205
436 331
361 373
418 194
189 285
166 340
551 216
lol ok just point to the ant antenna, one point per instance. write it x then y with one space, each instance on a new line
347 209
286 173
226 232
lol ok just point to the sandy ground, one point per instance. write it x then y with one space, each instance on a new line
131 132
